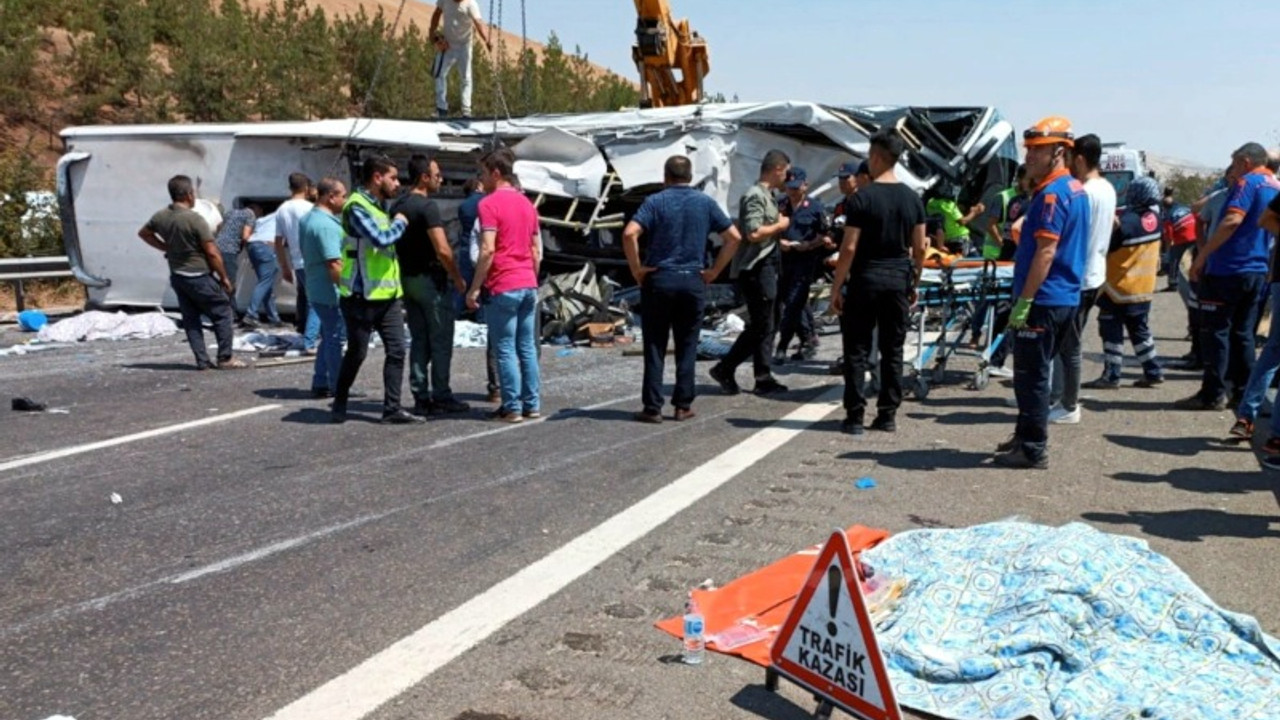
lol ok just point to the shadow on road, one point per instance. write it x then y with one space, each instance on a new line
973 401
769 705
967 418
1194 525
1180 446
935 459
1103 403
1206 480
287 393
161 367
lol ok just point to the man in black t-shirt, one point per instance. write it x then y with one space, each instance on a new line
880 257
428 272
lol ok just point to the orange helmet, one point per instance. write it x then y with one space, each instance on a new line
1052 130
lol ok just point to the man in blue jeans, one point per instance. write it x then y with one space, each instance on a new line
320 240
672 278
1232 272
510 256
1048 273
1265 369
262 256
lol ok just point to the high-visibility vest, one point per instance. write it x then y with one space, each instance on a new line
379 268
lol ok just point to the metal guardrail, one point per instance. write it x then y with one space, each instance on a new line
16 270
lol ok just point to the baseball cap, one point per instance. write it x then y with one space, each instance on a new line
848 169
796 177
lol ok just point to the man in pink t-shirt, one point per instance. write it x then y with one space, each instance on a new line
510 254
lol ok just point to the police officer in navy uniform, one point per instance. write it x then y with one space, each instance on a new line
851 177
803 248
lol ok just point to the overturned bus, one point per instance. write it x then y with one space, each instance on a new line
586 173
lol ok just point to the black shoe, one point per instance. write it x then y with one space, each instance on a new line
852 426
885 423
250 322
1102 383
806 352
338 416
1149 382
401 417
1018 459
1008 445
779 359
1271 462
728 385
421 408
1195 402
769 386
650 417
836 368
451 406
321 393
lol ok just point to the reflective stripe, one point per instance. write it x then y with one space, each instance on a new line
1140 240
1113 348
379 268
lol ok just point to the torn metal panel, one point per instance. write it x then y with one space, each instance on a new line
560 163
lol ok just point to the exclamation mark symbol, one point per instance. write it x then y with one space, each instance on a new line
834 581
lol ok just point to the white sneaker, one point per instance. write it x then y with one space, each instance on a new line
1059 415
999 371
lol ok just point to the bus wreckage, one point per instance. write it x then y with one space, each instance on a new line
587 173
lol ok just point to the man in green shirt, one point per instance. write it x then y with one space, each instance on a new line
194 260
756 268
955 224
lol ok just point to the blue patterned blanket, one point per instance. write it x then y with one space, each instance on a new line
1014 620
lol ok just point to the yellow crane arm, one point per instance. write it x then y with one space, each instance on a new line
663 47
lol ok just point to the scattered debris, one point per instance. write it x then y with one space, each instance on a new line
730 325
468 334
865 483
25 404
32 320
116 499
269 344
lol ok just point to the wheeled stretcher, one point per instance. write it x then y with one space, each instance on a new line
957 299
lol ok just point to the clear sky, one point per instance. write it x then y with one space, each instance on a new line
1179 78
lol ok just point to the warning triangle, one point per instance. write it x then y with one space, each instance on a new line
828 643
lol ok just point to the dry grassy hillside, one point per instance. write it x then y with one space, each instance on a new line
419 12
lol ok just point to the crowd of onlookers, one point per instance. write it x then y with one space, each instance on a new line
377 258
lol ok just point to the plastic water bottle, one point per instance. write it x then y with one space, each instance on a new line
695 645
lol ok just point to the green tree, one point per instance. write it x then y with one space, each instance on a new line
1189 188
22 234
19 39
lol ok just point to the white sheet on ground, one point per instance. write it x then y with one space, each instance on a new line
97 325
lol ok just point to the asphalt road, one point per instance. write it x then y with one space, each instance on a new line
258 558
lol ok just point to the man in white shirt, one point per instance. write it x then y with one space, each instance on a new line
1085 161
453 44
289 254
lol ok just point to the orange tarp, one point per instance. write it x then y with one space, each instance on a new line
764 597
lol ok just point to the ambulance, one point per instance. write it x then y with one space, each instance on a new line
1120 165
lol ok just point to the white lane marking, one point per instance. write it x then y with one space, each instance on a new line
268 551
364 688
44 457
508 428
103 601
